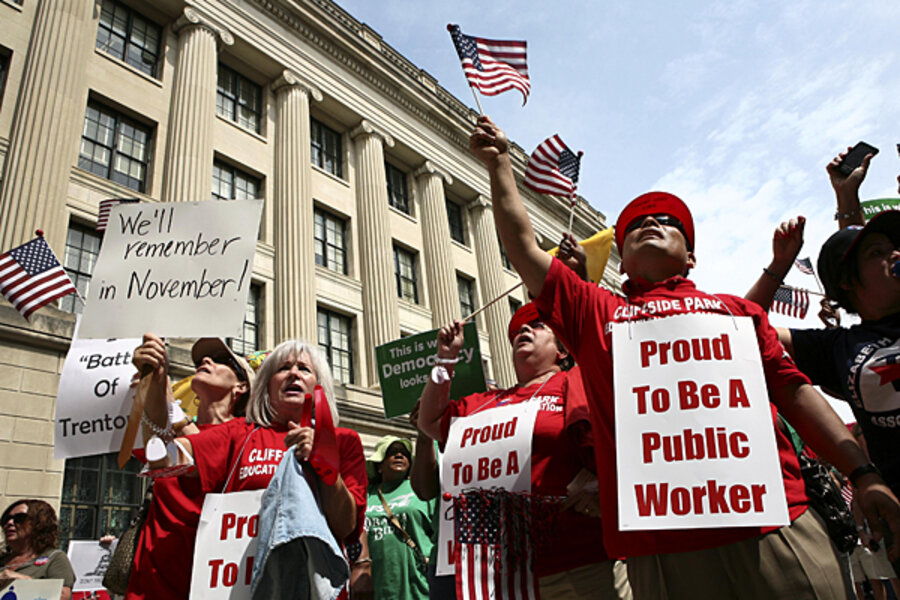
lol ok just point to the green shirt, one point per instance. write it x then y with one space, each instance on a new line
51 564
397 570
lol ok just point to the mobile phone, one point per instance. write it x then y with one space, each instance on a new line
855 157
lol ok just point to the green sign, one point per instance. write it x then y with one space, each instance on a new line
871 208
404 366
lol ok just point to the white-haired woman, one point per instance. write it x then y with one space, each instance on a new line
244 453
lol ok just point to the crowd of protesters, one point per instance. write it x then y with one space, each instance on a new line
380 516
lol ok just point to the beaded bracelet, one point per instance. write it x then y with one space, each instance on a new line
166 434
773 275
839 215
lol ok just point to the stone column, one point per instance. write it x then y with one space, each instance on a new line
49 114
381 320
189 144
295 261
490 274
436 236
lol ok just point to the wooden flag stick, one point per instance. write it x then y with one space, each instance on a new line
506 293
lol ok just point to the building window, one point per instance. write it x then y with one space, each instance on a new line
5 59
405 273
326 148
457 223
398 194
514 305
466 289
115 147
335 341
330 242
128 36
82 248
230 183
249 340
238 99
503 257
97 497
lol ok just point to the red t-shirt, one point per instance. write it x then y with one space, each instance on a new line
164 555
579 313
560 442
221 449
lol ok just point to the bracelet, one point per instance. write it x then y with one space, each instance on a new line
166 434
846 215
861 471
446 361
773 275
362 561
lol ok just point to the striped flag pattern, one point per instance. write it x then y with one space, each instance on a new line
483 570
492 66
106 206
790 301
804 265
31 276
553 168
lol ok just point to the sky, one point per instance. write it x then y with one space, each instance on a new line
734 106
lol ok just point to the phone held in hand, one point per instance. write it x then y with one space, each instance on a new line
855 157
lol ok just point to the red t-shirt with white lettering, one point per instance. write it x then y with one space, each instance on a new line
253 453
560 448
579 313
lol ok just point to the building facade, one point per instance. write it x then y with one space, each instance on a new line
377 220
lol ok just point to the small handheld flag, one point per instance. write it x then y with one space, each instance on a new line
790 301
106 206
492 66
804 265
553 168
31 276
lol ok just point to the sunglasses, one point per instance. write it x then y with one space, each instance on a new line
662 219
228 361
17 518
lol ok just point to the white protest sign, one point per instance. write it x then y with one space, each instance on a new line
90 559
226 546
33 589
177 269
695 443
94 397
489 449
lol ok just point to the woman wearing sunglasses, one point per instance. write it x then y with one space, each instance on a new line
31 531
164 555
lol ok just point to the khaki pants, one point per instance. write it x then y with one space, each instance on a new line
605 581
795 562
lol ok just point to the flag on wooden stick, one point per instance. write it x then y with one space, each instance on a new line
792 302
492 66
553 168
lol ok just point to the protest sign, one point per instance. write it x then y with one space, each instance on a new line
90 559
871 208
404 366
94 397
695 444
488 449
177 269
226 546
32 589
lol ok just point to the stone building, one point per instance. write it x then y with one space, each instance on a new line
377 220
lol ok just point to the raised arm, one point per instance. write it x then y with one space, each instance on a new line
846 189
786 243
423 475
489 143
436 396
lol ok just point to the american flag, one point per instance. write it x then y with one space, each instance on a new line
484 570
492 66
553 168
804 265
30 276
792 302
106 206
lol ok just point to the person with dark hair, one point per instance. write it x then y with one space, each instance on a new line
31 531
570 562
655 237
398 523
164 554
